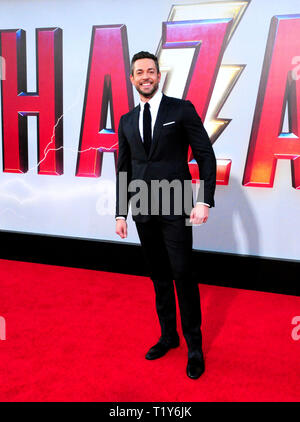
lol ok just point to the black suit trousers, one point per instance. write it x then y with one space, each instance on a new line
167 248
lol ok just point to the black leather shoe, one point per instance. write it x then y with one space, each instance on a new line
195 367
161 348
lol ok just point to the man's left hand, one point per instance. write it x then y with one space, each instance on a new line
199 214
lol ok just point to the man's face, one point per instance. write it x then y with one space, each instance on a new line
145 77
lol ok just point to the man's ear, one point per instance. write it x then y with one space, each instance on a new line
159 76
131 78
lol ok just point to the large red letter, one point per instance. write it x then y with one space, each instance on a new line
209 37
277 86
46 103
107 84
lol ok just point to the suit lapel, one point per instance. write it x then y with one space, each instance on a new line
160 118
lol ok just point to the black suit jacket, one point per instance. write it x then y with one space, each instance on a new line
168 154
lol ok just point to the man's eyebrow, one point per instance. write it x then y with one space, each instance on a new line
149 68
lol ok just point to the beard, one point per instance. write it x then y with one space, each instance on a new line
148 94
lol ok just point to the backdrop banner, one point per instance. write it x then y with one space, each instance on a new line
65 84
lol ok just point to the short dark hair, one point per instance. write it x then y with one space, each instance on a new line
144 55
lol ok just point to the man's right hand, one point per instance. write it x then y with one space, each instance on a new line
121 228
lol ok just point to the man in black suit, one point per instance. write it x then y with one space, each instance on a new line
153 143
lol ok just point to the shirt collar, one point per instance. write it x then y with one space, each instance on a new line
154 101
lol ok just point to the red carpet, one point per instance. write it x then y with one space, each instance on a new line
81 335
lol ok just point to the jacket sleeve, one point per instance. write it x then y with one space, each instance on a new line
203 152
123 174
